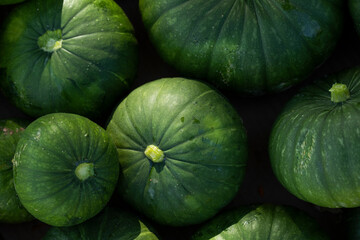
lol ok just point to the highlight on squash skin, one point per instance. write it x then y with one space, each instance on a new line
50 41
339 93
84 170
154 153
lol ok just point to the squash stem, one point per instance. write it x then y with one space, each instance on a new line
84 170
50 41
154 153
339 93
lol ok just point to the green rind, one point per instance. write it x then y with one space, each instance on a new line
44 169
11 210
259 222
95 65
246 46
111 224
204 143
314 145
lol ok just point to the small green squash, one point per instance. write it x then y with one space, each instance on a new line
110 224
182 149
315 143
11 210
73 56
260 222
247 46
65 169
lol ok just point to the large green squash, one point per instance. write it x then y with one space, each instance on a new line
315 143
248 46
67 56
260 222
11 210
182 150
111 224
65 169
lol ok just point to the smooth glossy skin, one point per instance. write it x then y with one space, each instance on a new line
11 210
110 224
246 46
93 67
45 161
259 222
315 144
202 138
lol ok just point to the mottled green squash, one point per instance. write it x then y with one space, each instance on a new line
11 210
74 56
315 143
260 222
182 149
247 46
65 169
110 224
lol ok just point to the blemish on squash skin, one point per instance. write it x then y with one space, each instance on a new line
182 119
196 121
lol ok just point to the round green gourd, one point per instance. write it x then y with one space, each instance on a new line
259 222
67 56
11 210
315 143
182 150
247 46
110 224
65 169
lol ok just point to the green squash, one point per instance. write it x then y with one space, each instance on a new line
6 2
315 143
182 149
260 222
65 169
246 46
11 210
73 56
354 8
111 224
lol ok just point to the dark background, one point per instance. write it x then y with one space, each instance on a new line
258 114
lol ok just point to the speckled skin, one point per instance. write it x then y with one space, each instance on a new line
202 138
110 224
46 157
11 210
259 222
315 144
94 66
246 46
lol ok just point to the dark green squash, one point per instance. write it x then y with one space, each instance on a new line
182 150
67 56
110 224
260 222
246 46
315 143
65 169
11 210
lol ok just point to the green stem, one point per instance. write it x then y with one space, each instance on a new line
84 170
339 93
154 153
50 41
